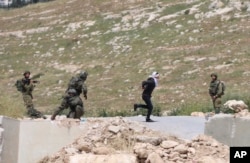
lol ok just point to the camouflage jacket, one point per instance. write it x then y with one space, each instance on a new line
215 88
78 84
28 87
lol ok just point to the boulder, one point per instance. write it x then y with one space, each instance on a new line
169 144
235 105
191 150
141 153
181 148
149 139
243 113
83 146
114 129
154 158
103 150
216 4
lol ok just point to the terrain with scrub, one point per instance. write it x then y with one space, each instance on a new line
120 43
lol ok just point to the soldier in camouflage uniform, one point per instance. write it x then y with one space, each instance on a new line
72 101
76 83
215 92
27 88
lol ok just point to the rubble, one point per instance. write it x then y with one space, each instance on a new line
120 140
236 106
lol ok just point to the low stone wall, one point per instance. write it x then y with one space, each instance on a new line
30 140
228 129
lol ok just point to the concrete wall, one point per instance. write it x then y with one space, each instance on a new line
27 141
229 130
1 137
10 140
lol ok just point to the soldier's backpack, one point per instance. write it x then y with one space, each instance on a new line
223 86
73 83
19 85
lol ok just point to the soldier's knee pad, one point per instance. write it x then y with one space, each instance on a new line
71 115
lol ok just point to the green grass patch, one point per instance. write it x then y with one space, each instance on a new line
189 107
12 107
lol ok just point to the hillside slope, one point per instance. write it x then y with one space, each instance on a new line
120 43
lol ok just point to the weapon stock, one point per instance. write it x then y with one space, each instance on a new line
36 76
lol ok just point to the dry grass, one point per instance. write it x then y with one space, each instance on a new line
11 108
115 78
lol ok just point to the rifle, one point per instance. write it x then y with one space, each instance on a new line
35 77
27 81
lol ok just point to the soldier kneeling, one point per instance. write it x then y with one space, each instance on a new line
74 102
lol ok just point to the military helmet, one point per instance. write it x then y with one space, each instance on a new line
214 74
72 91
83 75
26 72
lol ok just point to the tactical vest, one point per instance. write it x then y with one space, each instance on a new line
213 88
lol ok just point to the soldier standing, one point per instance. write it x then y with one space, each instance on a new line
216 92
148 86
26 87
76 83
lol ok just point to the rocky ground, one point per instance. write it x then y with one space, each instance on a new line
121 140
128 140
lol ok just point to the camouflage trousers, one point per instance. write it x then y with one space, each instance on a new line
31 111
75 112
217 105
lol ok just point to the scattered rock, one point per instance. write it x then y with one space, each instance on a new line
154 158
169 144
235 105
197 114
104 140
103 150
149 139
181 148
114 129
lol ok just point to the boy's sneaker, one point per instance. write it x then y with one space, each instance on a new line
149 120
